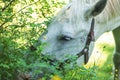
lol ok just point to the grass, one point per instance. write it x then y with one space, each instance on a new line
102 57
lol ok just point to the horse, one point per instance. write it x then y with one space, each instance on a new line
76 27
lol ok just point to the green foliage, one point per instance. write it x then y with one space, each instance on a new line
82 73
21 23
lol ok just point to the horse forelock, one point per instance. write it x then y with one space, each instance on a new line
72 11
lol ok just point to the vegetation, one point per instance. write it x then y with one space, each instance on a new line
21 23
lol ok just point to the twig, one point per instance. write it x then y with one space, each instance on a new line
16 13
7 5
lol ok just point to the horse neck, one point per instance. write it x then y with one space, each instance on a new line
109 19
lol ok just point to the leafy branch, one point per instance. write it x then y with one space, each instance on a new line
16 13
3 9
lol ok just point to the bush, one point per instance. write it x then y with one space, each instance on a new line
22 21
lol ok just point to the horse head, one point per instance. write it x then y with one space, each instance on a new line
67 33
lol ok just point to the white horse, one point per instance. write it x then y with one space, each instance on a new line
68 32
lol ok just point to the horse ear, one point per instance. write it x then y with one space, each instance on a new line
96 9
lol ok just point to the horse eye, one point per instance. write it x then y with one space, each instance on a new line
66 38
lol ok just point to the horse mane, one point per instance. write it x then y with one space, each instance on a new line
111 10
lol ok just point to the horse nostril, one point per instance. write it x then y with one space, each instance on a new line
41 75
23 76
32 48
